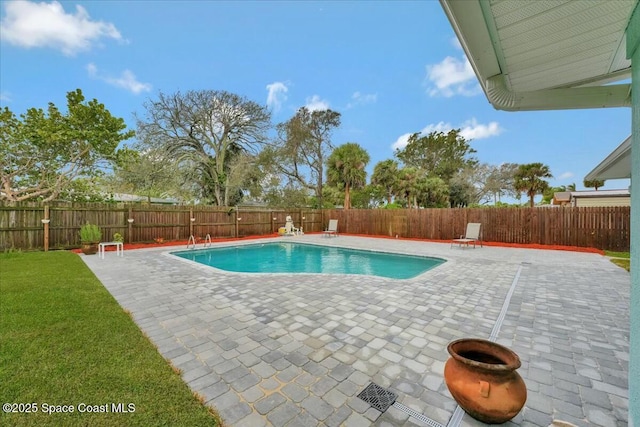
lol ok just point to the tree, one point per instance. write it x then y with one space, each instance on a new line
594 183
268 189
208 130
528 179
433 192
385 177
365 197
346 168
469 185
481 184
438 154
408 186
151 173
460 193
84 190
304 142
500 181
42 153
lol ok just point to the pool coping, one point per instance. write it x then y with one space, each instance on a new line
253 243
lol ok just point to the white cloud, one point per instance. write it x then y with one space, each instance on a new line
316 104
401 142
470 129
362 99
452 77
566 175
456 43
438 127
92 70
28 25
5 96
127 80
277 95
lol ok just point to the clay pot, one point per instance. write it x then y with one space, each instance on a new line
481 376
89 248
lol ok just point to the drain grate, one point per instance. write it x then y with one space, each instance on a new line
378 397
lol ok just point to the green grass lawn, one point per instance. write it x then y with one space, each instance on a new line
622 259
614 254
64 340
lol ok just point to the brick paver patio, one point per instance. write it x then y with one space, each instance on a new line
295 350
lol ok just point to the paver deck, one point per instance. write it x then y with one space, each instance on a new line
296 349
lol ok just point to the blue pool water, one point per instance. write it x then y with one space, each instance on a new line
301 258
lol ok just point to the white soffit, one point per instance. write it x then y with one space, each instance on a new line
546 54
617 165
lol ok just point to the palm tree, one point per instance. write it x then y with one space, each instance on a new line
346 167
528 179
594 183
385 176
408 185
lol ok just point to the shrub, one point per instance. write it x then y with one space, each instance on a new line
90 233
393 205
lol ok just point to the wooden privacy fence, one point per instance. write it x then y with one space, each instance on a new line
56 225
594 227
29 225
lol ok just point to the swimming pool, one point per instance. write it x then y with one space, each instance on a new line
303 258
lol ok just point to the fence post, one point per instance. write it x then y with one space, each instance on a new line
191 220
236 221
46 221
130 225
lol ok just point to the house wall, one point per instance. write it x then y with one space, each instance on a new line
633 52
602 201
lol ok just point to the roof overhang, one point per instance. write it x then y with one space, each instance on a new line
546 55
600 194
617 165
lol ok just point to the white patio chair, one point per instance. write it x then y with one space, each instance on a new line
332 228
473 235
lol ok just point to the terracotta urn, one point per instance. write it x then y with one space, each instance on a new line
89 248
481 376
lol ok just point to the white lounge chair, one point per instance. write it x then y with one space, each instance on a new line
289 229
473 235
332 228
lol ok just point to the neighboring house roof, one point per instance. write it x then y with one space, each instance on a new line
566 197
132 198
617 165
561 197
545 55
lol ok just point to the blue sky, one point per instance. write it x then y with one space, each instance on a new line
390 68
